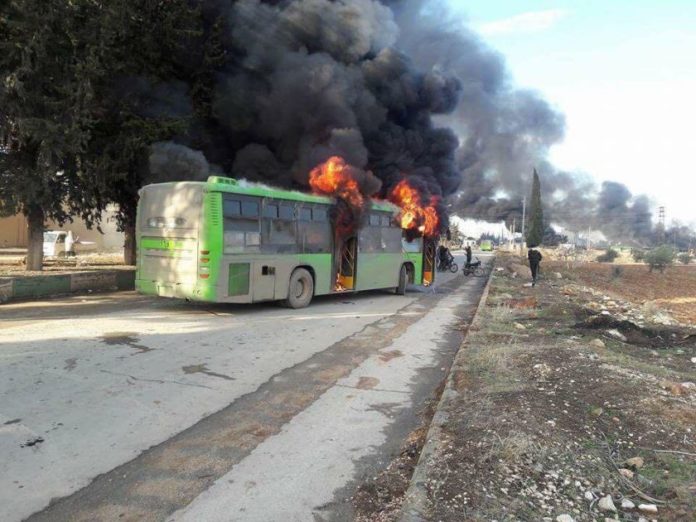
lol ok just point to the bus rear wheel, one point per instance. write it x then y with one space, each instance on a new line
300 289
403 281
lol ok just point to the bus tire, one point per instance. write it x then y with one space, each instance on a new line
403 281
300 289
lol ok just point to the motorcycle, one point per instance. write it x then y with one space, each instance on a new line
474 269
447 264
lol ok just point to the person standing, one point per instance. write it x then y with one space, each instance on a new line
468 255
535 258
69 244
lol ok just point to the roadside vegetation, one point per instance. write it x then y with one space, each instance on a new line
572 401
608 256
660 258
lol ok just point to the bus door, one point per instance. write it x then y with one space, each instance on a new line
347 264
429 251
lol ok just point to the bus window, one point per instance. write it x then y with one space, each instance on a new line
411 246
319 214
282 238
386 221
391 237
371 239
316 237
231 207
278 228
305 214
287 212
241 235
374 220
270 211
250 209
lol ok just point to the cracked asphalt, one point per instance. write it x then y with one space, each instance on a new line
122 407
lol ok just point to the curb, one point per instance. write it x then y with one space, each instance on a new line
416 506
15 288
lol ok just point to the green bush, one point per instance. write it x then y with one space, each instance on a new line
684 258
660 258
608 256
638 254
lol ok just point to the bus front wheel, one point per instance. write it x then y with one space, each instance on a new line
300 289
403 281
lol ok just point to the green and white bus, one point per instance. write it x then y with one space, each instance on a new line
231 241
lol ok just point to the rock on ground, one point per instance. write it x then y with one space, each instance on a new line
606 504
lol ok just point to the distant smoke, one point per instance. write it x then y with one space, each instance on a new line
393 87
621 215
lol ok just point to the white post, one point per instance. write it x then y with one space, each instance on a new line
524 222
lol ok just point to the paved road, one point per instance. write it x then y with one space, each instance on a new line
121 407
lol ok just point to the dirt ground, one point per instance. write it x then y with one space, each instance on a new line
564 408
14 265
674 290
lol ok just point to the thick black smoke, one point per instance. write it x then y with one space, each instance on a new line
393 87
505 133
621 214
305 80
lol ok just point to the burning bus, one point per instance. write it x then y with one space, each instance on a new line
230 241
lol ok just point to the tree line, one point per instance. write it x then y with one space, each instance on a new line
76 116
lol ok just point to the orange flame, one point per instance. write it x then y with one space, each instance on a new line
333 178
338 286
414 215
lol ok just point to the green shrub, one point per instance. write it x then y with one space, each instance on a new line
638 254
608 256
684 258
659 258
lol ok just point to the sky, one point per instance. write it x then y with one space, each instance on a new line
624 74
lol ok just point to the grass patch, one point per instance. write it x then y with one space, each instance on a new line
513 447
671 475
617 354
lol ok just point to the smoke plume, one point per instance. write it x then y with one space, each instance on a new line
506 132
395 88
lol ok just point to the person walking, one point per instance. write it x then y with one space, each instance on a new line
535 258
468 255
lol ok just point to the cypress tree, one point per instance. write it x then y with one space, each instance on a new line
535 221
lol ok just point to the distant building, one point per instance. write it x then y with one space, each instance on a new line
14 233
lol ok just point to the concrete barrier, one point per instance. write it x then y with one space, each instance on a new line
29 287
91 280
5 290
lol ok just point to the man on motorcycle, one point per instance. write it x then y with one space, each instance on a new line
446 257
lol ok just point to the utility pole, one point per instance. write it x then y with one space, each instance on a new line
589 242
661 219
